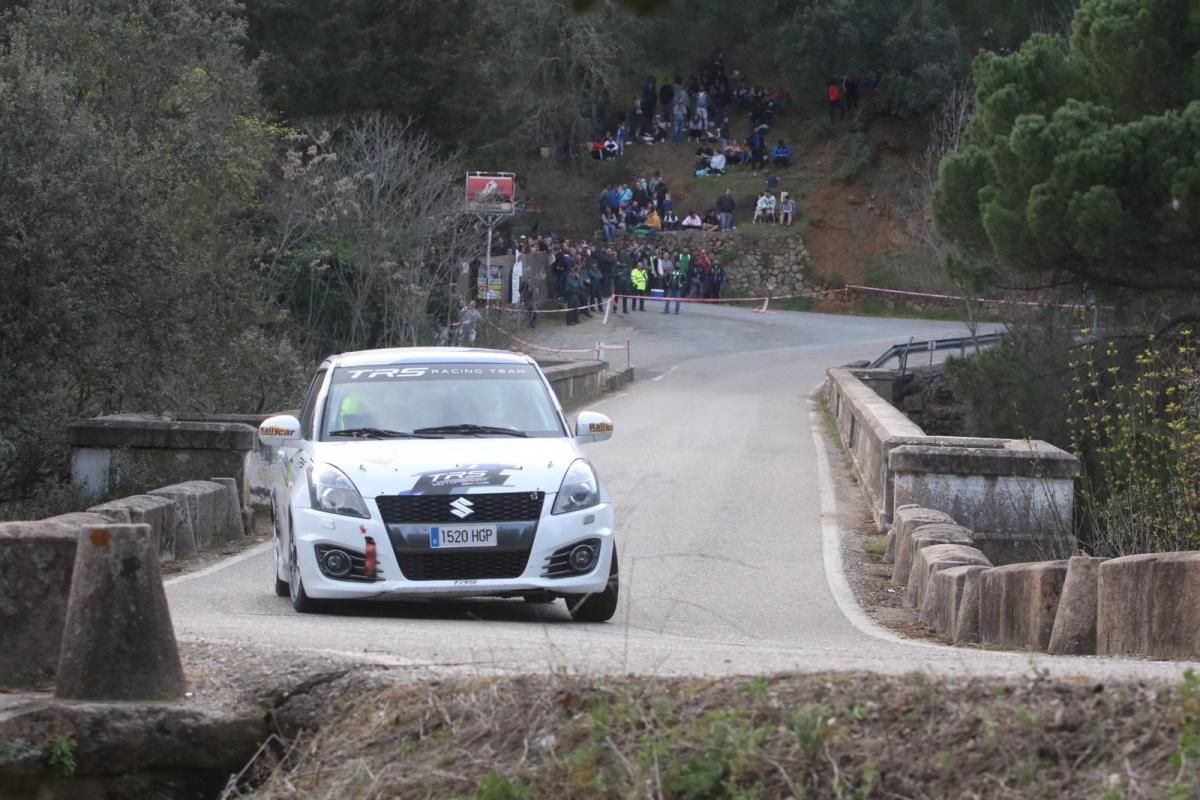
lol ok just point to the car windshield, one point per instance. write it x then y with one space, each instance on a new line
438 401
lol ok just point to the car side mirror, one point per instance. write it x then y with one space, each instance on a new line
279 430
592 427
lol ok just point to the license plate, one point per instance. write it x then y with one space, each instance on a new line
463 536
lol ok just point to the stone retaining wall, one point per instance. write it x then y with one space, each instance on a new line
775 263
1016 495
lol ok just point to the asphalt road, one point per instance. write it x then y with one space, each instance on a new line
727 528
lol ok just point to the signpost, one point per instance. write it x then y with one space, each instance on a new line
490 196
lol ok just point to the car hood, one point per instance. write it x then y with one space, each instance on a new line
451 466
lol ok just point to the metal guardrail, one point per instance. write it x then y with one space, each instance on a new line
901 352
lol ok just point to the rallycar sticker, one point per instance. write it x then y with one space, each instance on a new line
600 427
277 431
461 478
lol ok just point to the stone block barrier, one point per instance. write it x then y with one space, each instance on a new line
1149 605
118 642
202 515
927 534
908 517
942 610
36 559
145 509
928 561
1018 604
1074 632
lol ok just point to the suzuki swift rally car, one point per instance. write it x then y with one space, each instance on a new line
439 472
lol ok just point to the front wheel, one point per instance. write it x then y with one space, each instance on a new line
600 606
281 586
300 599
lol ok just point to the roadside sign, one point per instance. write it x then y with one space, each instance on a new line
490 192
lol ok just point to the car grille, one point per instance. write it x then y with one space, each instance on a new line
498 507
462 566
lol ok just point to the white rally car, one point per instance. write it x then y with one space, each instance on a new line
439 472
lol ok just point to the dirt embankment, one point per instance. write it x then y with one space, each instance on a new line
829 735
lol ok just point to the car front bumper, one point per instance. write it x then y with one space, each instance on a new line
315 529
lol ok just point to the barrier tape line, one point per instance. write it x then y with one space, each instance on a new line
599 345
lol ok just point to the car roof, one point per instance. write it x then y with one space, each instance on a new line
426 355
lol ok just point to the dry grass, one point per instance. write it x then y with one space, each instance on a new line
833 735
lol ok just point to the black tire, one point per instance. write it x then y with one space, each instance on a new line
300 599
281 586
601 606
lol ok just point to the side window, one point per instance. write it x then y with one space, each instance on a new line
310 406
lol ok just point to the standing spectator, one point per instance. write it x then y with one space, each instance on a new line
639 278
833 96
724 133
606 261
702 106
718 279
591 288
676 280
649 98
781 156
787 209
666 99
468 319
725 208
678 121
529 303
574 295
758 151
850 87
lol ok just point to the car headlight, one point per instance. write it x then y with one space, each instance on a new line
332 491
580 489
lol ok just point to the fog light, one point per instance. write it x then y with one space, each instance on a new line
582 558
337 563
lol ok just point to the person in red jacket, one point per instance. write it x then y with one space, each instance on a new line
833 95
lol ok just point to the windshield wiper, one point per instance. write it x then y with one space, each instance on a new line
381 433
470 429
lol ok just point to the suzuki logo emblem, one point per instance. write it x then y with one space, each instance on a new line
462 508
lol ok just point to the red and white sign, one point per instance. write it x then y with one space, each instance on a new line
490 192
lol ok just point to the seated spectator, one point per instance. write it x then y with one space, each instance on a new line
611 148
711 221
771 208
702 158
653 220
781 156
670 221
598 152
608 224
716 164
692 221
633 217
787 209
772 182
763 209
696 129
